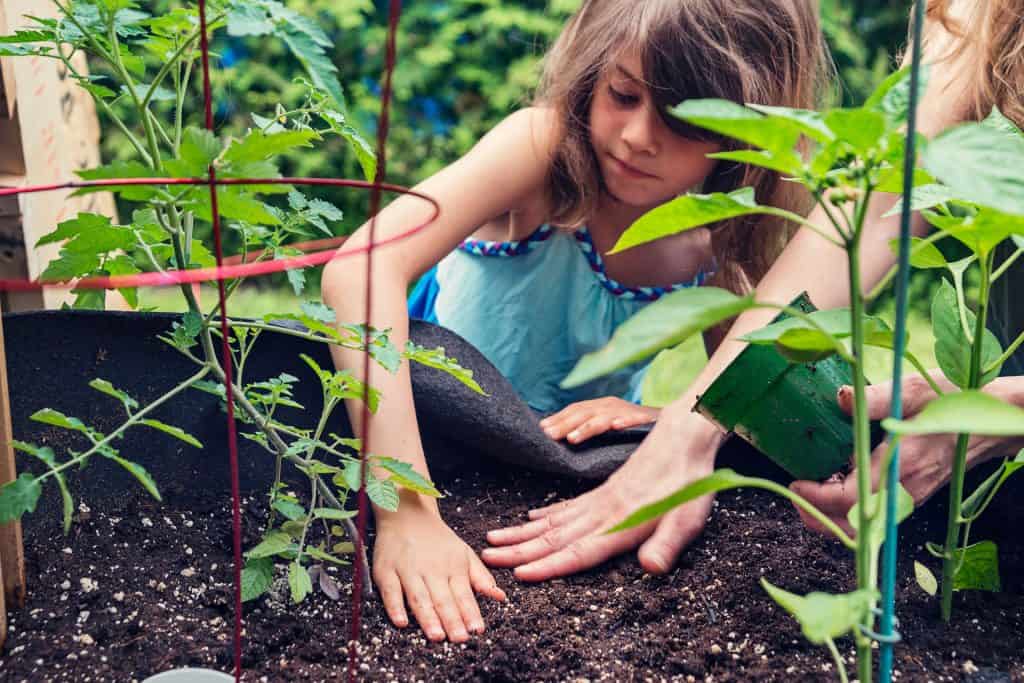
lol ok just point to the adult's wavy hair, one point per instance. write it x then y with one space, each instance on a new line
990 34
769 52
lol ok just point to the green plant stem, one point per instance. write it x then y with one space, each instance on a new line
134 419
325 491
956 482
172 62
66 60
1006 264
147 124
820 197
838 659
923 371
1010 350
311 336
796 218
182 90
862 449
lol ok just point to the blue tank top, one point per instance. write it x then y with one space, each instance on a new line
534 307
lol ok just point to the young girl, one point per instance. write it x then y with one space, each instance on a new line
975 49
543 196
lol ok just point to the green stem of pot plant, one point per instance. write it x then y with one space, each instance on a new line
1006 264
1010 350
838 659
147 124
861 442
956 482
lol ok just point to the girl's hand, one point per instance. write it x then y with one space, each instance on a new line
926 462
418 559
569 537
586 419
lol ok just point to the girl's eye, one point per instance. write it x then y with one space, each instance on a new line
622 98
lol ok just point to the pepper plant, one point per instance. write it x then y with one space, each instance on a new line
143 71
975 201
842 157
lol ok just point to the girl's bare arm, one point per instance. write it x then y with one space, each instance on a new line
506 167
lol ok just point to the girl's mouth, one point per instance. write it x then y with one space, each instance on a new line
629 171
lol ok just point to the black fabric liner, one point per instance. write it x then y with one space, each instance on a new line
52 356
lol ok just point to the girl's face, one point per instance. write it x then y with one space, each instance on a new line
642 161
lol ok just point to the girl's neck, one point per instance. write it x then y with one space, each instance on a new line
611 220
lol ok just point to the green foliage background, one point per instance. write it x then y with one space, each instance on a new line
463 65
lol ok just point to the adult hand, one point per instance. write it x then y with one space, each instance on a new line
586 419
417 558
568 537
926 462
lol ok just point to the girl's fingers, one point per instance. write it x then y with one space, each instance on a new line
466 602
590 428
632 420
551 541
446 608
422 605
565 422
483 581
518 534
391 594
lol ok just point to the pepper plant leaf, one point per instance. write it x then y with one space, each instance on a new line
923 255
805 345
977 568
925 197
965 412
952 347
981 161
979 499
835 321
664 323
688 212
892 96
823 616
982 231
776 134
926 579
862 129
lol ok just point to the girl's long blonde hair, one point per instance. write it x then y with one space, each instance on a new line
767 52
990 36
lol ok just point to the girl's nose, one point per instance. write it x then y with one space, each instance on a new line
640 132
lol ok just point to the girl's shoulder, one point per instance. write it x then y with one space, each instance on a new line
526 139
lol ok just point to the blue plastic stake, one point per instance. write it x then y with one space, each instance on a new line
899 344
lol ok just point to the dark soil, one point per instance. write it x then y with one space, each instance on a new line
139 587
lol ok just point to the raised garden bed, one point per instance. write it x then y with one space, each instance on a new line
139 587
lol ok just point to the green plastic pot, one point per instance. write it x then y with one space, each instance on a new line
786 410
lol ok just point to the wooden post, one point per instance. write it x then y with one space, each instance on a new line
12 551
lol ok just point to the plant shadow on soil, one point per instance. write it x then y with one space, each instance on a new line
138 586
